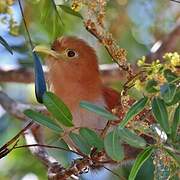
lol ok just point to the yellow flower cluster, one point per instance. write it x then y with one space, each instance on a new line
155 67
5 8
139 85
173 58
10 2
76 5
155 70
141 61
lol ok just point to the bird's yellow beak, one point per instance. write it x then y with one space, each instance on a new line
47 50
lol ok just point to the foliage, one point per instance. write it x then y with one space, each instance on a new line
145 124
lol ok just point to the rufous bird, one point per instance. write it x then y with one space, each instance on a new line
73 75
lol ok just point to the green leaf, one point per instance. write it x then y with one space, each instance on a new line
175 123
169 75
58 109
113 146
141 158
176 98
98 110
80 143
168 92
131 138
160 113
43 120
92 138
70 11
133 111
151 86
5 44
173 155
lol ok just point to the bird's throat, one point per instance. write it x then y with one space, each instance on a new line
74 86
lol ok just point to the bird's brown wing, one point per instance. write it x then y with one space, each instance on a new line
111 96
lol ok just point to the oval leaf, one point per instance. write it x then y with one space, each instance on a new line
40 83
131 138
70 11
98 110
141 158
133 111
58 109
168 92
176 98
169 75
175 123
92 138
80 143
5 44
113 147
43 120
160 113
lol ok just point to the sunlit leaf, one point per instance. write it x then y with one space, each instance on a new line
92 138
5 44
80 143
40 83
70 11
141 158
175 123
160 113
98 110
131 138
113 146
43 120
58 109
133 111
49 18
168 92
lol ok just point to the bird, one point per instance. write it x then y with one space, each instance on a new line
73 75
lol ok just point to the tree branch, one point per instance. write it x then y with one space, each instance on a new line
16 108
32 135
109 73
22 75
168 44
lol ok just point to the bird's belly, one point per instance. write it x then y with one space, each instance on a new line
85 118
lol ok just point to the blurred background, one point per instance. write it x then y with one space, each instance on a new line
136 25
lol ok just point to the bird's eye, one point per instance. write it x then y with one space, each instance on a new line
71 53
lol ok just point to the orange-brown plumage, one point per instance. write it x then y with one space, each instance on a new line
77 78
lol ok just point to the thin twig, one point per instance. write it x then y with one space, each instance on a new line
50 147
169 43
104 131
29 37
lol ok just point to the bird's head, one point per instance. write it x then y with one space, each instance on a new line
69 50
71 62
